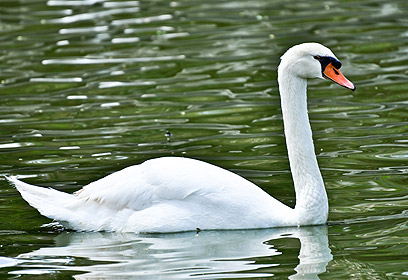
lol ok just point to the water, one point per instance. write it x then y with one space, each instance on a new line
89 87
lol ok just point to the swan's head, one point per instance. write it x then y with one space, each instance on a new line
313 60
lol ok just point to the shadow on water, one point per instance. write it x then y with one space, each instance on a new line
205 255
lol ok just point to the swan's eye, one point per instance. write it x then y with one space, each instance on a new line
317 57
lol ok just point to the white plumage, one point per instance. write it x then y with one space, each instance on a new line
172 194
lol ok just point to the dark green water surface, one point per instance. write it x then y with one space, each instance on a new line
88 87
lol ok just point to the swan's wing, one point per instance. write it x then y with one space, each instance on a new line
167 179
177 194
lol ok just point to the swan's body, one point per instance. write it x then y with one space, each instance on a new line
178 194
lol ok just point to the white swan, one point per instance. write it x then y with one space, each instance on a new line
172 194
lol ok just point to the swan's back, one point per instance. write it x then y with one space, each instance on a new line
163 195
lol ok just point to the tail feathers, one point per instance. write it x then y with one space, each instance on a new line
47 201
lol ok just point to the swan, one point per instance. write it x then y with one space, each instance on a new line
173 194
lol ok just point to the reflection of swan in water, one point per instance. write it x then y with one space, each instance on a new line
211 254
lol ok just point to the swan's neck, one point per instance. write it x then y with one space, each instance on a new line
311 199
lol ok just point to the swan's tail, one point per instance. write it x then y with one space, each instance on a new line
49 202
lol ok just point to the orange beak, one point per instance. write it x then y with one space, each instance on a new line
334 74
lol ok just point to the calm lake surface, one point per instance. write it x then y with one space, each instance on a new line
91 86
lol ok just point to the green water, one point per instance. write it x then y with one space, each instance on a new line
89 87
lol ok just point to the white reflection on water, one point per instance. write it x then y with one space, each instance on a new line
207 255
94 15
77 61
73 2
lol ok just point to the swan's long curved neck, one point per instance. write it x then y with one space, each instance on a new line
311 198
